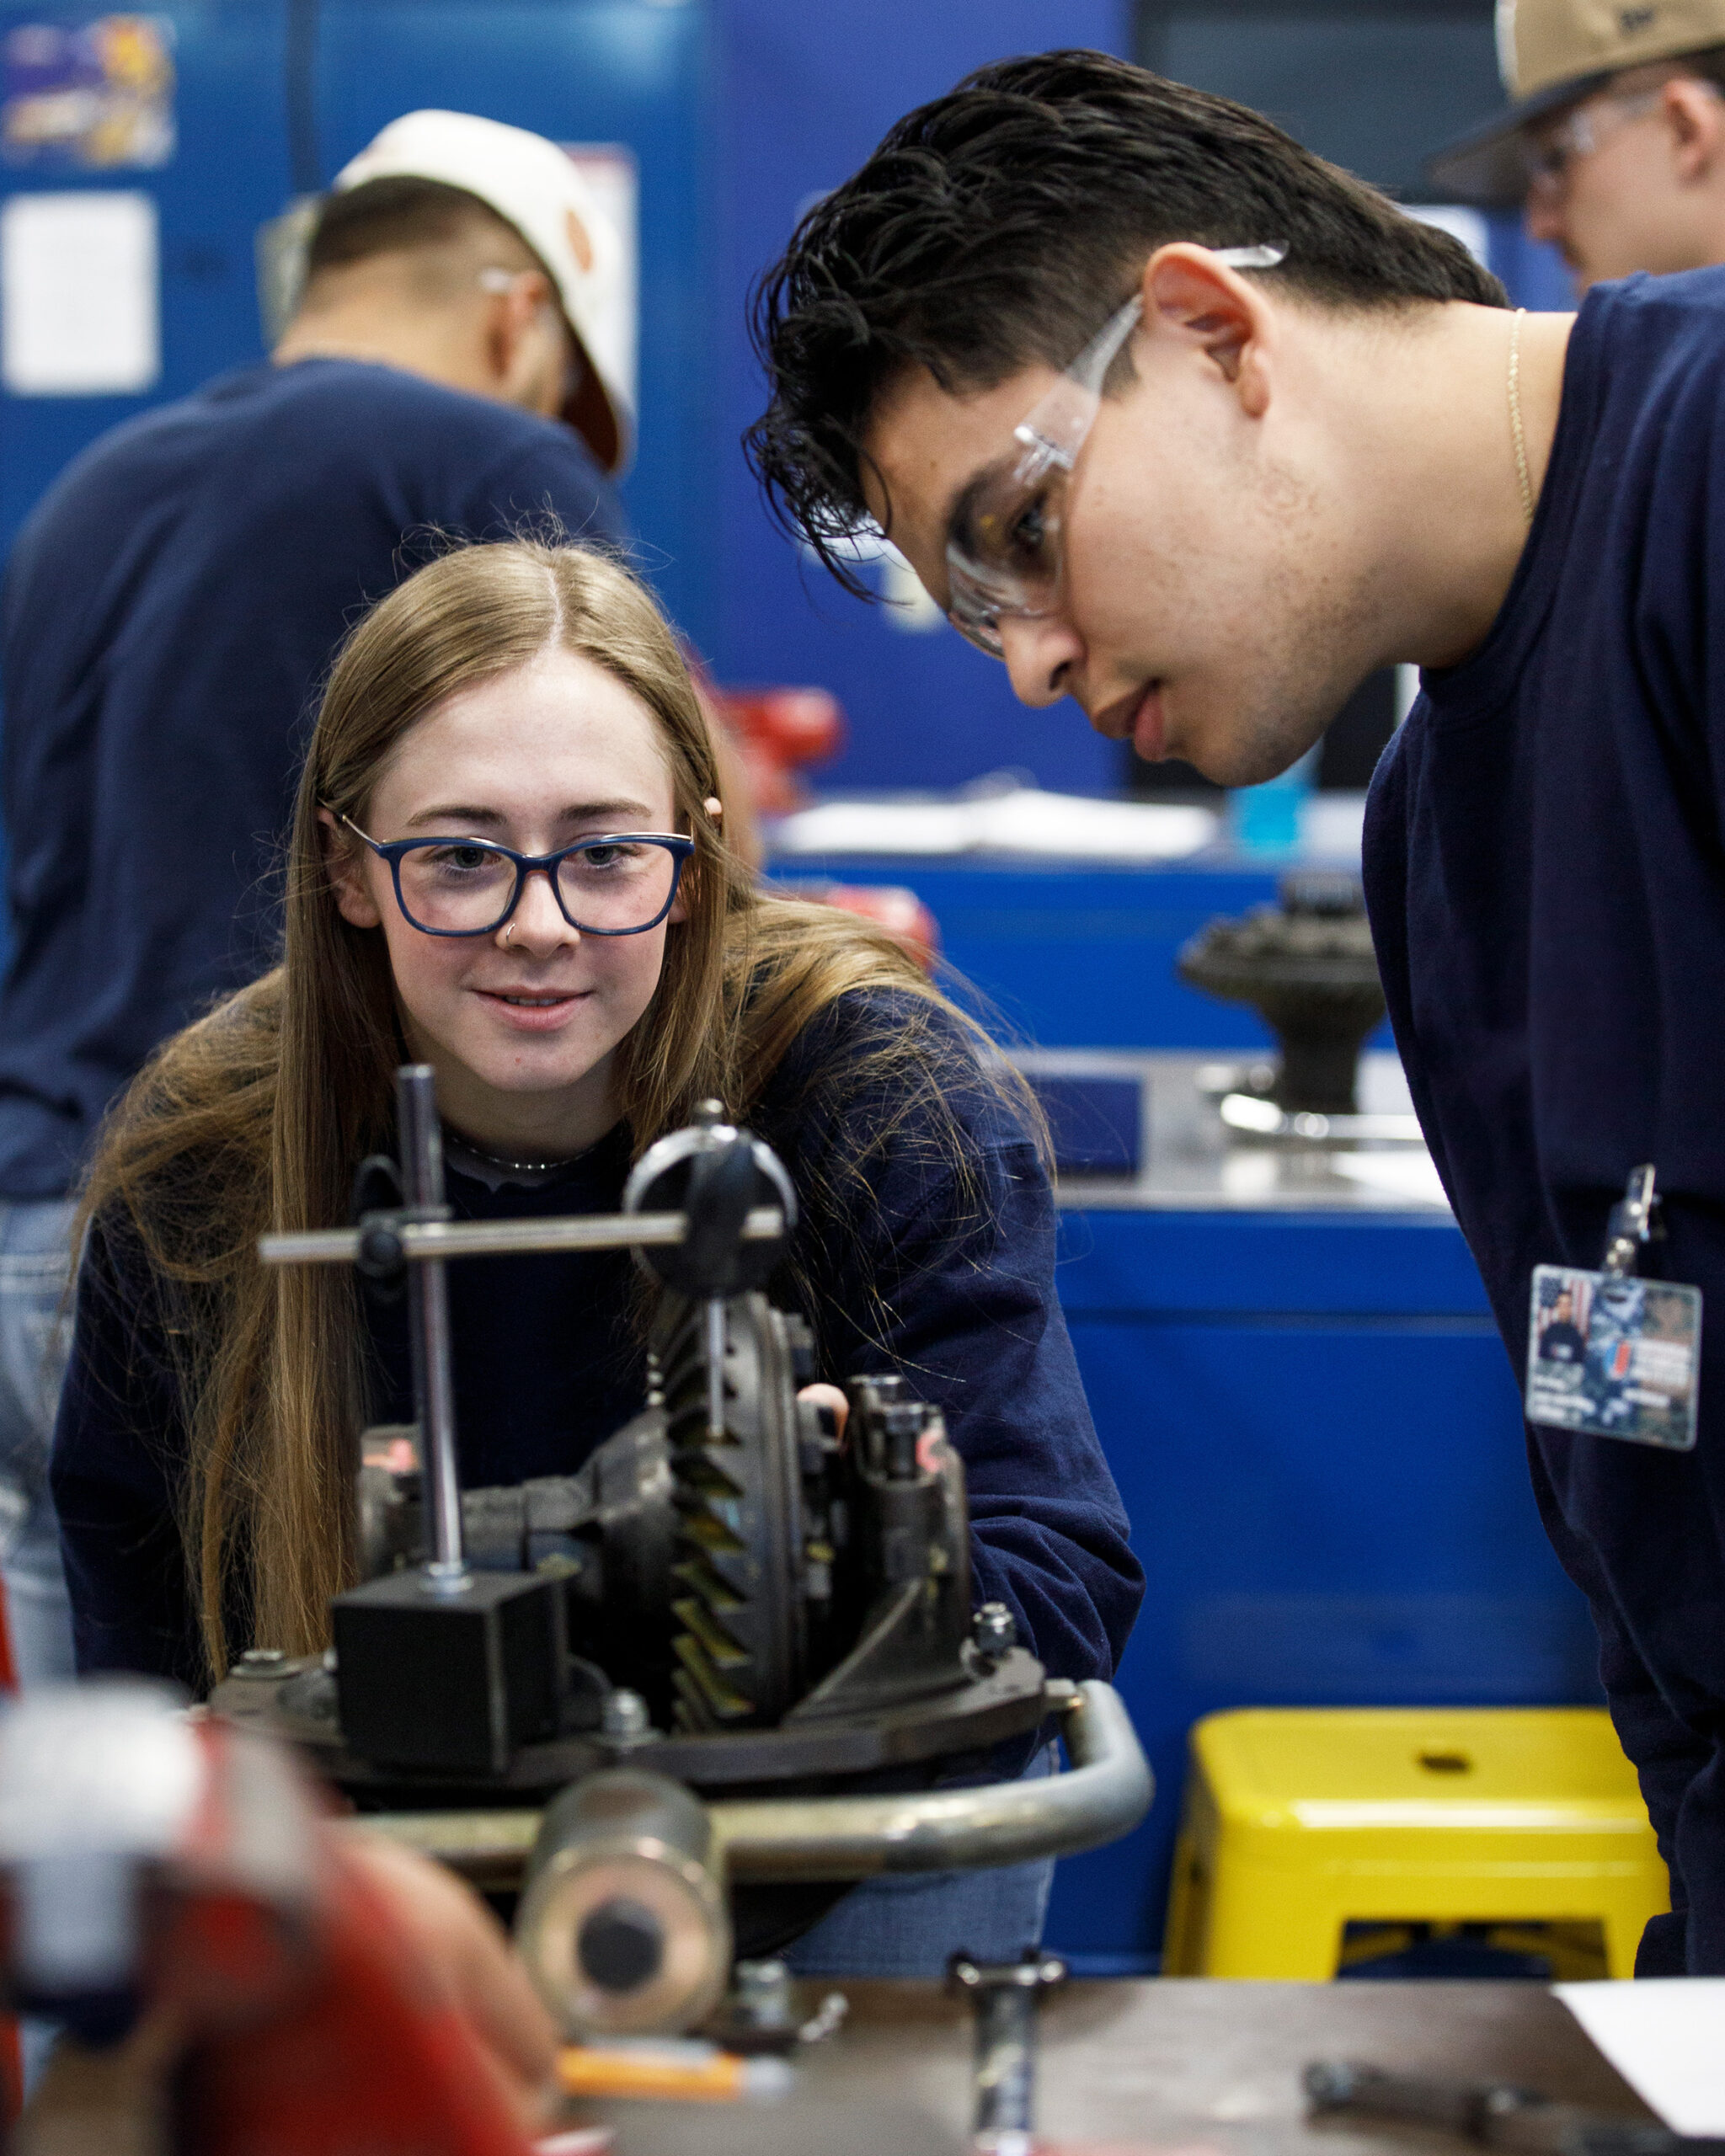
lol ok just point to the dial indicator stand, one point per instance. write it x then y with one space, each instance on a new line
440 1666
446 1570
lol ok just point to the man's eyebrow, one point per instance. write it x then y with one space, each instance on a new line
467 816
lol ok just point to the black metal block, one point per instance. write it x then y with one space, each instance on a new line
450 1682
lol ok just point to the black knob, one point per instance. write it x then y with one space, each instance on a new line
620 1945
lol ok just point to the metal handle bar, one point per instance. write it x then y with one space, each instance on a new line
428 1239
1103 1795
1106 1792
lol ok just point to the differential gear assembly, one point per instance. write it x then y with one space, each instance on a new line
696 1654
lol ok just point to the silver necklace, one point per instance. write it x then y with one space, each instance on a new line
514 1167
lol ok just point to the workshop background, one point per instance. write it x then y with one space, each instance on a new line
1296 1377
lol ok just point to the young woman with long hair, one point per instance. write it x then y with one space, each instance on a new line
507 704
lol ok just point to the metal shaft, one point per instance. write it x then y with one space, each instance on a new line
1006 2066
423 1240
1106 1792
1005 1998
421 1139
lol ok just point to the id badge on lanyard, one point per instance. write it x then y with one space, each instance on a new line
1609 1354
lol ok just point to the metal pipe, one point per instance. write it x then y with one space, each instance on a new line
491 1849
421 1140
1104 1794
423 1240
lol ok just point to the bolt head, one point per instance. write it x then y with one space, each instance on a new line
995 1630
624 1714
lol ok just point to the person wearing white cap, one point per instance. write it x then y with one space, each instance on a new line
563 279
1614 141
453 366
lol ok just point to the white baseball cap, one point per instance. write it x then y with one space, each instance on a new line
534 186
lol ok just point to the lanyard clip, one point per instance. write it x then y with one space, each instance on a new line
1634 1223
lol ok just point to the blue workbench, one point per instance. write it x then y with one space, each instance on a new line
1309 1412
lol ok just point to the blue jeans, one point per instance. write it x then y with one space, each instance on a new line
906 1923
34 1339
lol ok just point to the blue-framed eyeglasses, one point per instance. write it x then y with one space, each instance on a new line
621 884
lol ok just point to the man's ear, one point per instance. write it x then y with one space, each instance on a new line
342 865
511 317
1694 113
1188 294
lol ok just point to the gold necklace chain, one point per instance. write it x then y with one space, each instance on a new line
1516 428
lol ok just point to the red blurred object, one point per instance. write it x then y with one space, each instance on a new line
359 2058
296 2016
890 906
776 731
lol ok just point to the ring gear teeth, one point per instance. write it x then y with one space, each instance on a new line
741 1647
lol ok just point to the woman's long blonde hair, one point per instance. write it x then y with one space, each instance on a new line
256 1118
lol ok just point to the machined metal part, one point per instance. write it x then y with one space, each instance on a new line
745 1516
1307 967
1256 1116
421 1140
718 1176
623 1927
1104 1794
425 1239
299 1704
1006 1998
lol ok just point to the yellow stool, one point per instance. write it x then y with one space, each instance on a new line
1299 1822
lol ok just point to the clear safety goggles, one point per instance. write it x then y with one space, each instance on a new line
1005 550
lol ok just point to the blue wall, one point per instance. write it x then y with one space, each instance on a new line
740 111
805 93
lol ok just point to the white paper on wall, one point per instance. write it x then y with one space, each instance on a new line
80 294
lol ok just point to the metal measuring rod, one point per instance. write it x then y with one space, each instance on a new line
446 1570
447 1667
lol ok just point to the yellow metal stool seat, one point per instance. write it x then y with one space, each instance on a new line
1299 1822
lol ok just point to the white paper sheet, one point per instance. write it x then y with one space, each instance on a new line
1025 820
1666 2036
80 307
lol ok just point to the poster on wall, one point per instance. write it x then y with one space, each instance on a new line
93 96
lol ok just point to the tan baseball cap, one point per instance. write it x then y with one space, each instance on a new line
1552 53
535 186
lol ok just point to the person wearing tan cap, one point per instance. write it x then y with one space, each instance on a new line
453 365
1614 143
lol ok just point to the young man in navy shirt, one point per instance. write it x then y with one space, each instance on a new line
168 610
1197 431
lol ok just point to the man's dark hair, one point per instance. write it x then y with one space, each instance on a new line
398 214
1000 226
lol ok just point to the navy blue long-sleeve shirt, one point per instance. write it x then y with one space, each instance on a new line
1546 874
169 610
937 1265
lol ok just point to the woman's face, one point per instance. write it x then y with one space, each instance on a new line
521 1026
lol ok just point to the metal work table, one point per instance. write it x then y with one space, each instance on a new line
1174 2064
1190 1163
